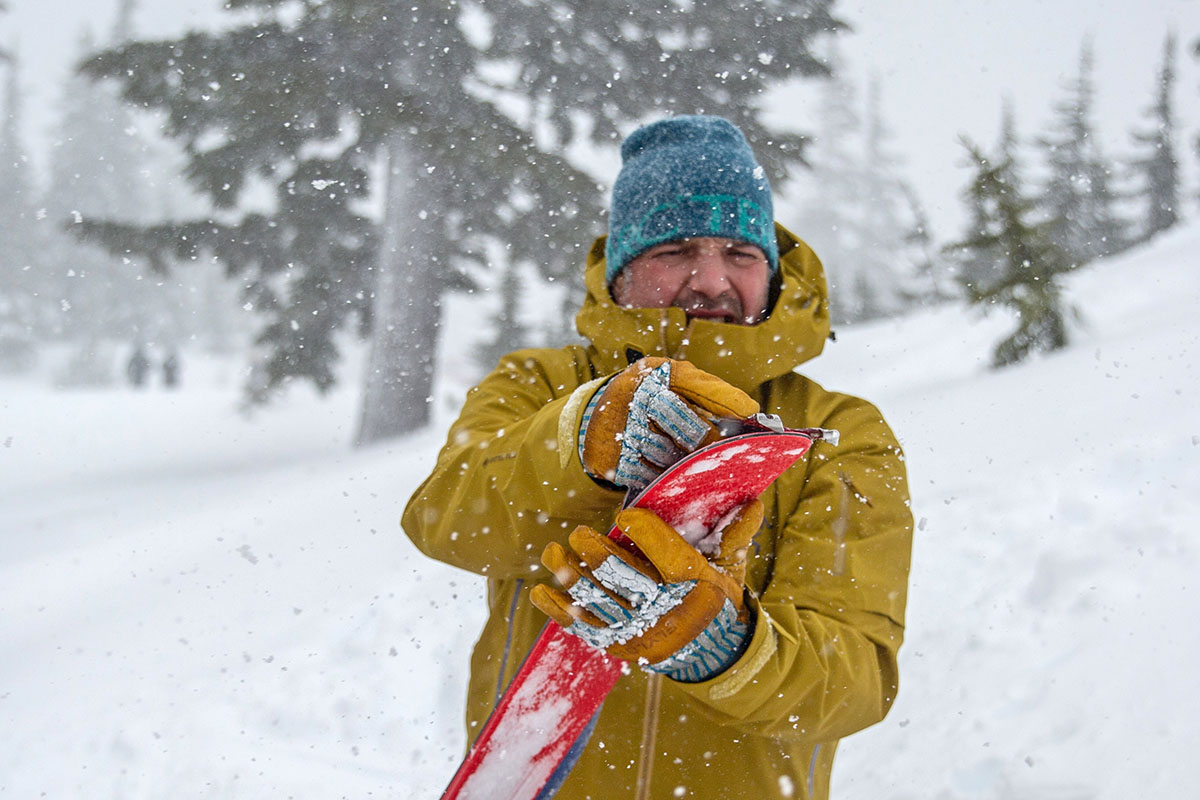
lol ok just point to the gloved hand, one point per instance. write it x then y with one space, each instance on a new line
663 605
652 414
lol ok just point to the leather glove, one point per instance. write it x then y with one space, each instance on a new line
664 604
650 415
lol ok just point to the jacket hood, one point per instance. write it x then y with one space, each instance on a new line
746 356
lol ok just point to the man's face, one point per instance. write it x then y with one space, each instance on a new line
708 277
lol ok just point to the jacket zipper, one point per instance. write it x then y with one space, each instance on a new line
512 616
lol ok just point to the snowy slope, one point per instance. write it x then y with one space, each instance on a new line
1053 634
193 604
198 604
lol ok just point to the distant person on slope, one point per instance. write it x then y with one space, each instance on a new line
170 369
137 367
698 306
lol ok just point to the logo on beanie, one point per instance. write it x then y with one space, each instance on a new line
690 216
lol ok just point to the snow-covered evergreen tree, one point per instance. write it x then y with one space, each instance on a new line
857 211
4 54
1078 197
977 269
1026 261
1196 53
96 160
831 192
23 302
889 254
1158 167
933 277
311 107
103 163
318 100
506 330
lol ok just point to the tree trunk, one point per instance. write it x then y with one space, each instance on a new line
406 309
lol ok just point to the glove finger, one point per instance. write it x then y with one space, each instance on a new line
645 450
555 604
601 606
604 605
634 474
607 577
710 392
594 547
654 445
612 407
738 534
585 597
564 608
672 557
667 411
566 566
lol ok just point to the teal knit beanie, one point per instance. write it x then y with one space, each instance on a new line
686 177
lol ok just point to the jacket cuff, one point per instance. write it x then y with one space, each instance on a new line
570 492
720 690
572 422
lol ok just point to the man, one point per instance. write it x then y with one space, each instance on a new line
698 307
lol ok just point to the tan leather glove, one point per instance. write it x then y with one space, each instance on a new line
663 604
652 414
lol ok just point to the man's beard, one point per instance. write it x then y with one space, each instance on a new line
725 307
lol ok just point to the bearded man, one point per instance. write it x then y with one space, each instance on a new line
699 307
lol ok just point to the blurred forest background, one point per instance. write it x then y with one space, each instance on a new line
307 181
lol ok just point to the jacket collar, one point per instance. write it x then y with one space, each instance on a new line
746 356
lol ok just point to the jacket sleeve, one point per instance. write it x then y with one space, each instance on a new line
504 486
821 663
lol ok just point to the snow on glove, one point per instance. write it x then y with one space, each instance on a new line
652 414
663 605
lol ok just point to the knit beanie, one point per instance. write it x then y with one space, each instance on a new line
684 177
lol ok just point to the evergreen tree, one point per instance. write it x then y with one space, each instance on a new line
621 63
1078 197
4 54
96 164
507 331
22 298
832 191
320 99
887 261
856 212
1159 168
103 163
932 278
1196 53
1027 261
979 269
312 101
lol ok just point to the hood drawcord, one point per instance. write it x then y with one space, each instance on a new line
649 734
663 322
681 353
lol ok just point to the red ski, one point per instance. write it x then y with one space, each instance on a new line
563 681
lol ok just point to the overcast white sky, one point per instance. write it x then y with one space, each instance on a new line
945 65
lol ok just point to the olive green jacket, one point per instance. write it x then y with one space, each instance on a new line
827 576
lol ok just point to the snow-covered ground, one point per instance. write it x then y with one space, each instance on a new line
194 603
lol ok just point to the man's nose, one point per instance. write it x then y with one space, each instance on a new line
709 274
